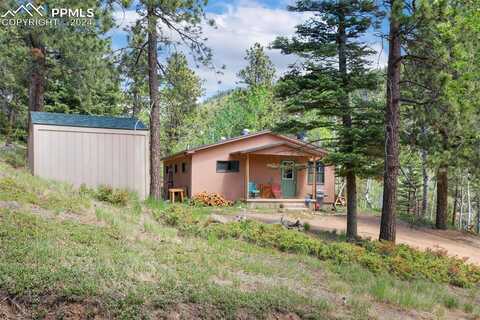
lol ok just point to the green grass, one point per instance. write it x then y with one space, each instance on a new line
84 262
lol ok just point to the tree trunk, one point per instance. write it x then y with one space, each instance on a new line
351 206
136 102
392 119
478 212
442 197
455 203
367 194
10 125
425 183
37 74
155 151
469 204
347 123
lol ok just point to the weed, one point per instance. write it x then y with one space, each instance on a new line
116 197
451 302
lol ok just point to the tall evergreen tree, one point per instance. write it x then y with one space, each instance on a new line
184 21
134 70
392 122
336 65
260 70
439 88
66 67
181 88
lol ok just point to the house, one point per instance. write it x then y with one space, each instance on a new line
261 167
90 150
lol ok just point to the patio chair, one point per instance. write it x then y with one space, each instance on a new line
277 190
252 189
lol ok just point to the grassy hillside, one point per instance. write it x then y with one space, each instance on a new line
68 255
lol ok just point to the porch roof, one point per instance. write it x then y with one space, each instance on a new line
300 150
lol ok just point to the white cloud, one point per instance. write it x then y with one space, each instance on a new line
238 27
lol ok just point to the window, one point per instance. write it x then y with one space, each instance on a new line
287 172
166 169
176 168
320 172
184 167
228 166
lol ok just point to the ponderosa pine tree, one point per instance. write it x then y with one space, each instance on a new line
180 90
260 70
392 123
65 67
439 67
336 65
184 20
134 70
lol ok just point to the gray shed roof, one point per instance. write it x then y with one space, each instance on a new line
77 120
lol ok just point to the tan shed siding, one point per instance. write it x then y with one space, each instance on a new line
92 156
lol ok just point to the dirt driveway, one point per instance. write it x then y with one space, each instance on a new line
455 242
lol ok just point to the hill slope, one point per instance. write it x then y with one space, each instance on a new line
67 255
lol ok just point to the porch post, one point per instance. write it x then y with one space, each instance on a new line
314 182
247 175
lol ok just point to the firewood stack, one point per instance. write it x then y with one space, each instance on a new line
211 199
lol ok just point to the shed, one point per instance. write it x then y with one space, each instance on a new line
90 150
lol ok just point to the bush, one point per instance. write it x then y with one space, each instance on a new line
378 257
108 194
13 156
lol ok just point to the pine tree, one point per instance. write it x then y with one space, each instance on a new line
180 91
260 70
184 20
441 60
410 183
320 89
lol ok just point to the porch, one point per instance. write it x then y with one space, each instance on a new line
280 176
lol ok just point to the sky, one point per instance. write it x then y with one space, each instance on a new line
239 24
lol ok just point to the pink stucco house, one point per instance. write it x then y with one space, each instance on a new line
261 167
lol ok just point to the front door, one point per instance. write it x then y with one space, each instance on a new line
289 179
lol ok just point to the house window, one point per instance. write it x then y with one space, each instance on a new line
228 166
320 172
287 173
184 167
176 168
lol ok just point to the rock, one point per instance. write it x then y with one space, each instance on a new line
216 218
10 205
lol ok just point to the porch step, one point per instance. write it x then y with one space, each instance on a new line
287 204
295 206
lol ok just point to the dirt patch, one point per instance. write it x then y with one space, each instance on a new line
455 243
188 311
74 311
8 310
48 309
280 316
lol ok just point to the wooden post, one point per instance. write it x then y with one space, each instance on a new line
247 175
314 183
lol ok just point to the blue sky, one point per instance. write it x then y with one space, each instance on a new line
239 24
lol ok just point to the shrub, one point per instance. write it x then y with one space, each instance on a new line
306 226
379 257
114 196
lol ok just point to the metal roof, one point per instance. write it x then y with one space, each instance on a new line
78 120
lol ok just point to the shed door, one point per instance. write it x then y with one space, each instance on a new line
289 179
